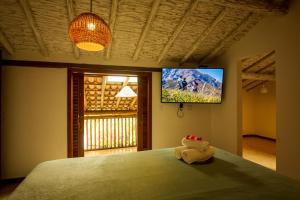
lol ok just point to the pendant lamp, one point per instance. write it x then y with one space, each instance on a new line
89 32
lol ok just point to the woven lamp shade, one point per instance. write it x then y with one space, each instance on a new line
89 32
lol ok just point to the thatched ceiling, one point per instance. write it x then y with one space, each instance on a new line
257 70
100 92
144 31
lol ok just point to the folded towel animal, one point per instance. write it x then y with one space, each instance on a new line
179 150
195 144
193 155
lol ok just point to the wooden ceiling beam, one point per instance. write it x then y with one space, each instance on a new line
112 22
133 102
266 67
255 86
32 24
204 35
248 84
261 70
243 25
259 60
5 43
119 98
259 6
71 16
103 90
146 29
258 76
178 29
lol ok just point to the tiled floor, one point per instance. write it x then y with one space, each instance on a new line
261 151
109 151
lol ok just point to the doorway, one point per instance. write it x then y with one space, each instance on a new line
259 109
110 114
100 120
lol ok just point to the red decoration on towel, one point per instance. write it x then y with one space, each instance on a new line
193 137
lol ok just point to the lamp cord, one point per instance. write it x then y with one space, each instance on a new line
180 112
91 6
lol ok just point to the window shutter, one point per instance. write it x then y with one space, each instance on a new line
76 115
145 111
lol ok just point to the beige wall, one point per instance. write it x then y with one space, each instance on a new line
167 128
282 34
259 112
248 126
224 117
34 118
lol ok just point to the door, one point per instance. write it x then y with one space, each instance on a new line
75 114
76 110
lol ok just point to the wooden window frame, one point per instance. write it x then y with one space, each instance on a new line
144 116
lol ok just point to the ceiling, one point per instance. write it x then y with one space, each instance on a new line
100 92
144 31
258 70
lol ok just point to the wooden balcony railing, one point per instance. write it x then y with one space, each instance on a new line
109 132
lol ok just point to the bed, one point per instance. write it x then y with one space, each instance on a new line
154 174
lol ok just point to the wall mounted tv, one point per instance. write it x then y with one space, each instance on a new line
198 85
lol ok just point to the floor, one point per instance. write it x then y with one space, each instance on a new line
261 151
6 189
109 151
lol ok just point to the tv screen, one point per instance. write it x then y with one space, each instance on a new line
201 85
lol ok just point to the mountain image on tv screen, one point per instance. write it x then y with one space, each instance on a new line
202 85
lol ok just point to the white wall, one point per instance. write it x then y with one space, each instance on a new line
34 118
280 33
167 128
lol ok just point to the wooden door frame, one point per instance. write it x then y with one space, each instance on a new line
144 116
0 112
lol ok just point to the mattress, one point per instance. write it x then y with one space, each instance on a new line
154 174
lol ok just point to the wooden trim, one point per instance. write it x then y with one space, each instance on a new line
145 112
32 24
259 136
70 114
155 6
75 114
71 16
80 66
0 111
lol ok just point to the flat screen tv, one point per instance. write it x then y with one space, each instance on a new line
198 85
